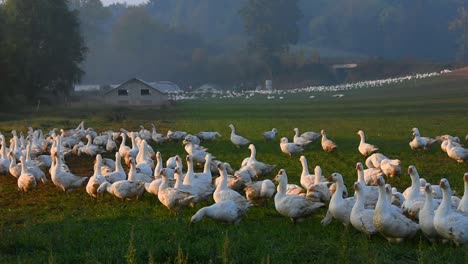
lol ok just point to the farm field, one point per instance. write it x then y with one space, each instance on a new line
47 225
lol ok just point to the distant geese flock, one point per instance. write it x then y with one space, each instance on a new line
376 207
283 94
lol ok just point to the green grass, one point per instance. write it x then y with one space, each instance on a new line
48 225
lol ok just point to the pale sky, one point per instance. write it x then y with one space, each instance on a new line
129 2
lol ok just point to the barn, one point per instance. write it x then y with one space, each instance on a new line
138 92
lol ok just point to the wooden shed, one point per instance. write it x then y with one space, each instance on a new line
138 92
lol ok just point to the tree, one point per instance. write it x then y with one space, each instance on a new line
44 47
272 25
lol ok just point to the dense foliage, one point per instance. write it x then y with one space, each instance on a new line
41 50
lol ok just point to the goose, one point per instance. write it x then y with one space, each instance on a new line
157 137
198 155
460 154
124 150
297 139
153 187
261 169
65 180
171 197
206 175
364 148
270 135
143 160
144 134
290 148
397 198
134 175
43 162
237 140
169 171
176 135
96 180
208 135
306 178
123 189
222 192
191 138
202 183
339 208
173 162
4 159
118 174
32 168
445 142
463 206
235 182
101 140
371 174
318 190
414 198
26 180
362 218
391 167
327 144
389 221
309 135
227 211
374 160
14 169
450 224
426 216
135 149
370 194
111 146
297 208
420 142
260 191
200 193
436 191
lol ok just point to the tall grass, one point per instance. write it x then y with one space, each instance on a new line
48 225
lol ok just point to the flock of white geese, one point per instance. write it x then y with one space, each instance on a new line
376 207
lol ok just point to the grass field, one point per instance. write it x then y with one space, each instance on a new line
48 225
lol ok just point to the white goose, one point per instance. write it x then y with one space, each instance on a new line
414 198
426 216
206 175
237 140
290 148
297 139
295 207
65 180
450 224
153 187
173 198
420 142
119 173
157 137
306 178
208 135
123 189
4 160
202 183
144 134
339 208
370 194
364 148
176 135
391 223
362 218
90 149
197 154
460 154
227 211
26 180
310 135
261 169
270 135
463 206
222 191
96 180
318 190
110 143
327 144
14 168
260 191
134 175
143 160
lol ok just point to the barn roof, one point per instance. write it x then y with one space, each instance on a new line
161 86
